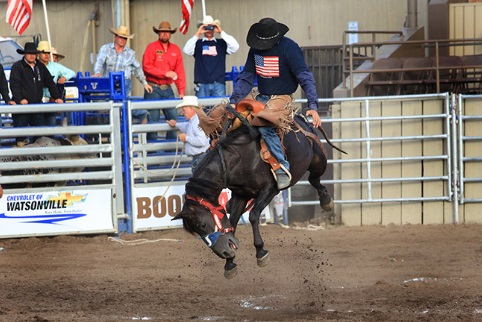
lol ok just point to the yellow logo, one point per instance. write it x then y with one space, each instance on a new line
69 197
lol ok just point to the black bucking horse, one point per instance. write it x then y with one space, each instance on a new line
235 163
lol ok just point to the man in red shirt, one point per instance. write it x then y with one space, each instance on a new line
162 64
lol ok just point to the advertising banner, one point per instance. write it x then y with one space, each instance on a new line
52 213
155 207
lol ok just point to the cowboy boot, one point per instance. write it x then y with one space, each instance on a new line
283 178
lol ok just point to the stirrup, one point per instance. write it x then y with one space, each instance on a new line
282 167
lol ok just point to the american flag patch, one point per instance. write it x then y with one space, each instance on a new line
267 66
210 50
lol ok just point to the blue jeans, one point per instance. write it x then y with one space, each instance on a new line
196 160
29 119
51 119
272 139
141 115
213 89
169 113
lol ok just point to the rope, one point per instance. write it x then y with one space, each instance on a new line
141 241
308 227
176 160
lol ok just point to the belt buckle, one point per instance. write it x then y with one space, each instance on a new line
164 87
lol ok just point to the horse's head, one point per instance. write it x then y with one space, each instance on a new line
211 223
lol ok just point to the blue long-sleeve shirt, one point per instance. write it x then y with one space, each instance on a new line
280 70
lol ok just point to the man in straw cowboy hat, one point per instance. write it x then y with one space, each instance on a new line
163 65
59 72
278 63
210 57
195 140
56 55
28 78
116 57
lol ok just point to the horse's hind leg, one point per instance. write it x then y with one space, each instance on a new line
326 201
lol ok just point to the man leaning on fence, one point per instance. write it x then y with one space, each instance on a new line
195 140
117 57
28 78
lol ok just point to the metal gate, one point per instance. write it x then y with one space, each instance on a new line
411 160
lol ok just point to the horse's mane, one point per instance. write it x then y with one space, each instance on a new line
202 187
248 133
232 138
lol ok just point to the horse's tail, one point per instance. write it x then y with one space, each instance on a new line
328 140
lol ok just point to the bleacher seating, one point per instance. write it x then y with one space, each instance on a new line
387 81
471 76
421 75
416 72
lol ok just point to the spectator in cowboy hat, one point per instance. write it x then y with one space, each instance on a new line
116 57
195 140
28 77
163 65
280 67
210 57
56 55
59 72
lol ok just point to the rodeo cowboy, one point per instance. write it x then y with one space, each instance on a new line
278 63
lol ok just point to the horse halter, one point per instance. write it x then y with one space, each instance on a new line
217 214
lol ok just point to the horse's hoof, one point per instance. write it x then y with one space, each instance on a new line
229 274
329 206
263 261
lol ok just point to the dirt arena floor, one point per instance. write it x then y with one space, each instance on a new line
408 273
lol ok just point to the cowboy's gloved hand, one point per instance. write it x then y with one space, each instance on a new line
316 118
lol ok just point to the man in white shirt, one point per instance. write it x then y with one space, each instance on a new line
195 140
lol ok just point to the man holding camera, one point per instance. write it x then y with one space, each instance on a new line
210 57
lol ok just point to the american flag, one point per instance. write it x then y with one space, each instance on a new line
19 13
267 66
186 15
210 50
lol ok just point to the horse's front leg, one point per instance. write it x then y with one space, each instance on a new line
230 269
235 208
262 255
264 198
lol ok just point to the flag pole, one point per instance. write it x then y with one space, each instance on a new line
204 9
47 26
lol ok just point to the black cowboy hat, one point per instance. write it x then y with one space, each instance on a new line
29 48
265 34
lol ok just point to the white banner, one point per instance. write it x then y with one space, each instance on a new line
54 212
154 207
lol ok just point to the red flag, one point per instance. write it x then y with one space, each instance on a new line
186 15
19 13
